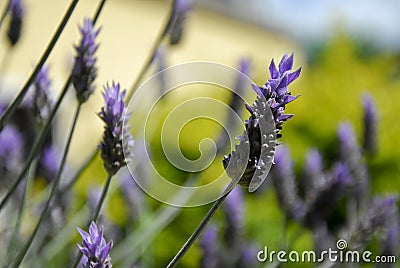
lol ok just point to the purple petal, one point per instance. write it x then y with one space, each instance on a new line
286 63
273 70
293 76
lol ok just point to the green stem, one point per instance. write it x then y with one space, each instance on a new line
21 207
96 214
174 262
17 101
39 141
21 254
139 78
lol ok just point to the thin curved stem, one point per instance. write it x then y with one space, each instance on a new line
156 44
17 101
174 262
153 50
4 14
21 254
39 141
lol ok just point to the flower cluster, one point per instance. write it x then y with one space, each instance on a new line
117 143
17 13
85 70
95 248
277 96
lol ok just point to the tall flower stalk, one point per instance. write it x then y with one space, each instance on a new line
273 95
85 60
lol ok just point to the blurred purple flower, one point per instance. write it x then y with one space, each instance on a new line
95 248
284 183
17 14
181 10
234 213
117 143
327 198
40 101
313 178
85 70
209 246
370 124
50 162
248 256
350 154
11 149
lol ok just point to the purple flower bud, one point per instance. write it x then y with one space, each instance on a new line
85 70
284 182
234 212
40 102
17 13
181 10
370 124
95 248
117 140
209 246
248 256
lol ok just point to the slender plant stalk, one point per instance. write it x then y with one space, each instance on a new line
21 207
153 50
156 44
21 254
17 101
40 139
174 262
5 12
96 214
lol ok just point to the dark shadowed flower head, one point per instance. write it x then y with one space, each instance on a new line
117 140
95 248
41 102
276 94
181 10
370 124
17 14
85 70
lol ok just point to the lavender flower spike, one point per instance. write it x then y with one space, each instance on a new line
95 248
277 95
85 70
117 140
17 13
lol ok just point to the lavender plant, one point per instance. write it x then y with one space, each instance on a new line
273 95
